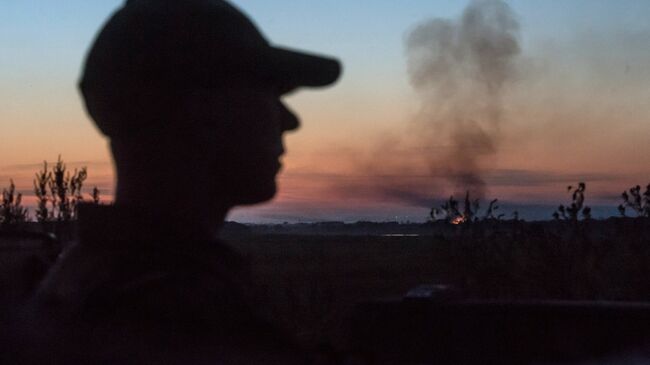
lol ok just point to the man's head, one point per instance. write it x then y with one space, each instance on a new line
194 84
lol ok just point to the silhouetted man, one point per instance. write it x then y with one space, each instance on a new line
189 93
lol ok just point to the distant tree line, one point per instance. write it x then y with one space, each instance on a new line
58 194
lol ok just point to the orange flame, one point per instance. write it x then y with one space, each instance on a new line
458 220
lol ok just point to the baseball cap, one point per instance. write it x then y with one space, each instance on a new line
192 43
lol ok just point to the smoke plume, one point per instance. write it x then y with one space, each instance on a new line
460 69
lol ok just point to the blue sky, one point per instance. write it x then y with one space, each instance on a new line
52 36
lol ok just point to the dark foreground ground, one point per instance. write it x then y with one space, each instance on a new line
310 283
313 281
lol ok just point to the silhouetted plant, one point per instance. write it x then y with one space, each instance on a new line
65 191
95 196
621 210
492 208
41 183
639 203
471 208
12 211
451 212
448 211
577 207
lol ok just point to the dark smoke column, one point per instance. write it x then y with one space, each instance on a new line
460 69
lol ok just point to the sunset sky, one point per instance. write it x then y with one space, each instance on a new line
577 107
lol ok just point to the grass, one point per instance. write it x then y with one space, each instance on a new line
310 283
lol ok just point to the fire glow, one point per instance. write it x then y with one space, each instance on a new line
458 220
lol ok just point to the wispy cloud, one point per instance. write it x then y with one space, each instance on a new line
514 177
33 167
423 190
501 177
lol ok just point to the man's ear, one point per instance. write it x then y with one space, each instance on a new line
208 116
124 111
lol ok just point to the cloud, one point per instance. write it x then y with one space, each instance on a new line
33 167
514 177
422 190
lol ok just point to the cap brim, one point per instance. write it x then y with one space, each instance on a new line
296 68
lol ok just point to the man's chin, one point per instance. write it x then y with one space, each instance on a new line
256 196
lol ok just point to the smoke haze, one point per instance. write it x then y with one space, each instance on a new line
459 69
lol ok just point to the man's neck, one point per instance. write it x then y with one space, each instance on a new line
187 217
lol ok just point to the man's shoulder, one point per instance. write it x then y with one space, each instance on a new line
185 299
86 275
139 299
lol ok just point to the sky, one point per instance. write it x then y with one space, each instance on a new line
577 107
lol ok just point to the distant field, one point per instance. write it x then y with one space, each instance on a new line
310 283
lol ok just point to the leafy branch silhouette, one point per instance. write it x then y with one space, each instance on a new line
12 211
572 212
637 202
58 192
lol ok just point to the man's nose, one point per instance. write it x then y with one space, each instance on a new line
289 120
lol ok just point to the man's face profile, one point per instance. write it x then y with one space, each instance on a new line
240 127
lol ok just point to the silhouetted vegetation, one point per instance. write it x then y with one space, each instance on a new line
57 191
12 211
635 201
577 207
63 192
95 196
41 184
451 212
